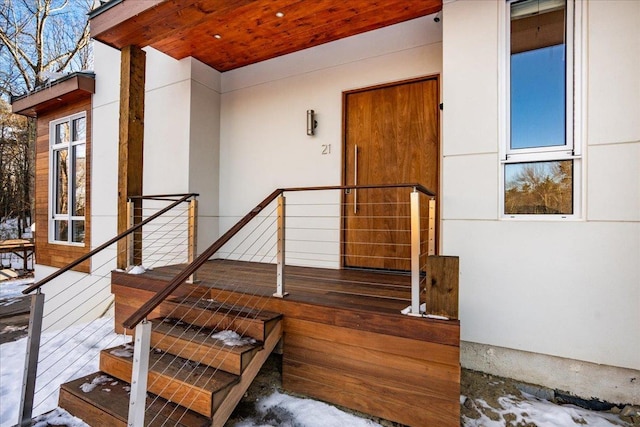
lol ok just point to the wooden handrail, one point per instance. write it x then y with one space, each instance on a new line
419 187
105 245
159 196
140 314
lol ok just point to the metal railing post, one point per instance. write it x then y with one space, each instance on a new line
140 370
193 235
31 359
431 242
131 237
415 253
280 256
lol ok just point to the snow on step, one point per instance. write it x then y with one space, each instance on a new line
198 344
185 382
107 404
214 315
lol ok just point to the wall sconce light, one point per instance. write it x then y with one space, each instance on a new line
312 123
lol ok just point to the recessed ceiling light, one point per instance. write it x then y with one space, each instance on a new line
279 14
217 36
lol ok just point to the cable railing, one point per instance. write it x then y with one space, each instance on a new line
388 228
391 229
170 239
74 321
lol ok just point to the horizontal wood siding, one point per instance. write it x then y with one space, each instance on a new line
407 381
56 254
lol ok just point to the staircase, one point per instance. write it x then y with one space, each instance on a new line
194 379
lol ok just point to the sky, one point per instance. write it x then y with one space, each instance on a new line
538 97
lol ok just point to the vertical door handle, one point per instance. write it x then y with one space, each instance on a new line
355 179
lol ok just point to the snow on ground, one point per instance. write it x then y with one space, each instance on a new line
64 355
9 260
542 413
9 230
284 410
276 409
10 289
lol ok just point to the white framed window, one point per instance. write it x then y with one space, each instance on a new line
67 178
540 168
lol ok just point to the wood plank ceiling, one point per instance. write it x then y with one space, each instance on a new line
228 34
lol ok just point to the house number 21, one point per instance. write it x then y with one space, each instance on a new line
326 149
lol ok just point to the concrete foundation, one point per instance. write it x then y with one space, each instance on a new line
587 380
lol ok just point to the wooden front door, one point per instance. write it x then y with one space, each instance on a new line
390 137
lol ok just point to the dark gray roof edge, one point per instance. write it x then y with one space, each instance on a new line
89 74
103 8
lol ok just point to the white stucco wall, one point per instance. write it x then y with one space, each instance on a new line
181 140
264 145
562 288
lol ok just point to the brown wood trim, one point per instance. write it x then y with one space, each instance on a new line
59 254
391 344
116 15
65 91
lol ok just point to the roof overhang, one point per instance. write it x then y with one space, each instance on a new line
63 91
228 34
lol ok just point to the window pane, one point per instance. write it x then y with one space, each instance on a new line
539 188
62 133
79 129
79 171
77 231
538 75
61 231
61 189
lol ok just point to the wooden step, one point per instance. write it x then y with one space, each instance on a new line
189 384
238 390
195 343
108 405
214 315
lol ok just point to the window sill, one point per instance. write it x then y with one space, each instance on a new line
542 218
77 245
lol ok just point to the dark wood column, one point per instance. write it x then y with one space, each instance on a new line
130 153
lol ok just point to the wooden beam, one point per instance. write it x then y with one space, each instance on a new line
130 152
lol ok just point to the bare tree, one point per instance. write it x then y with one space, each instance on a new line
16 168
40 37
540 188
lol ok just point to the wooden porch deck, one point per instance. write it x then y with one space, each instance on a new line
345 341
351 289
